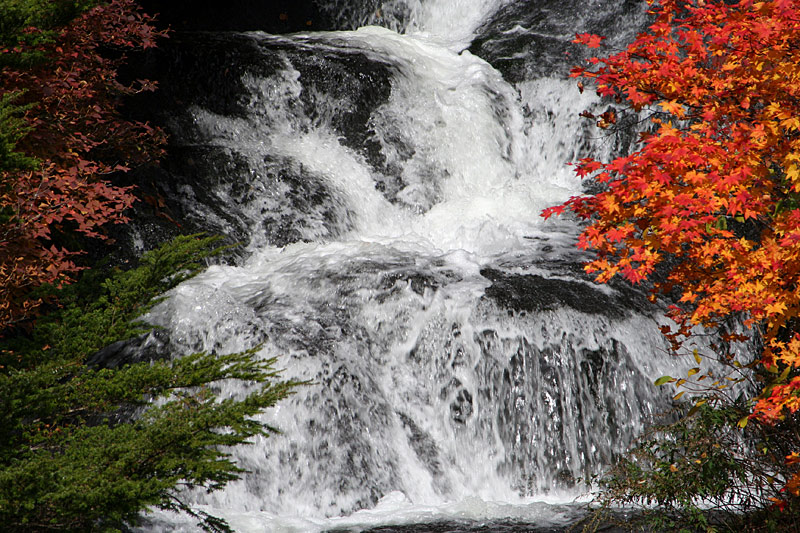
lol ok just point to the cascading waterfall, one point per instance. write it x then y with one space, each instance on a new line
388 187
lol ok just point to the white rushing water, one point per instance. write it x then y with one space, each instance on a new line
450 23
433 396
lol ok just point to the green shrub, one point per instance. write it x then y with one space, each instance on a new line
72 454
704 472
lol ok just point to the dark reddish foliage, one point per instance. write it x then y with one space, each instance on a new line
80 139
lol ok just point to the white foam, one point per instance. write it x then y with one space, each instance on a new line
394 509
389 317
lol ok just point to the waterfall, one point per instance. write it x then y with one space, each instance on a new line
387 187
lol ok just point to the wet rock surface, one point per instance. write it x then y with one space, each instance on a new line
534 292
275 16
526 40
149 347
200 185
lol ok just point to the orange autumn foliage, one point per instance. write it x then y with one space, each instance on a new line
75 132
712 194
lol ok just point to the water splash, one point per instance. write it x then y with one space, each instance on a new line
390 189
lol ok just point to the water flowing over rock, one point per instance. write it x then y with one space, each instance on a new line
526 43
387 187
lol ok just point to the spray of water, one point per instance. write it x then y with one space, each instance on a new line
462 365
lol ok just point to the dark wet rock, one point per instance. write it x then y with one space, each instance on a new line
208 70
149 347
461 407
532 292
423 445
277 16
203 185
210 190
419 281
353 85
526 40
274 16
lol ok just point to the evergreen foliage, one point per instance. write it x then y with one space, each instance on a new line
27 25
12 129
18 15
86 448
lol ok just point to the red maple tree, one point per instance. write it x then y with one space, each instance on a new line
78 138
712 194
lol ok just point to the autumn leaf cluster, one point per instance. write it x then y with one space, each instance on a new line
710 200
62 137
